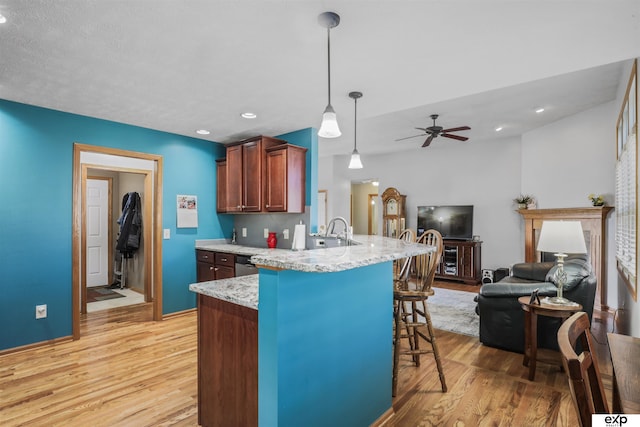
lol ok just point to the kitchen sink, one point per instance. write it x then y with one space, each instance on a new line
319 242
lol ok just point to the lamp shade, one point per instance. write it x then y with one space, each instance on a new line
329 126
355 162
562 237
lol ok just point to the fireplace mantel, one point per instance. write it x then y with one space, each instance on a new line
593 223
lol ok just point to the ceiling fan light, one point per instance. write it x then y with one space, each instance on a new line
355 162
329 127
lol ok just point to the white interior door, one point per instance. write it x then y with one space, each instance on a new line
97 232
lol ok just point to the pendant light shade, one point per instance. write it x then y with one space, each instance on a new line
329 127
355 162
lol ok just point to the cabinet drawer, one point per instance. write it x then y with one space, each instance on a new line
225 273
205 256
225 259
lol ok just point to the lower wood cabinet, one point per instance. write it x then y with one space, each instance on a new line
461 261
214 265
227 363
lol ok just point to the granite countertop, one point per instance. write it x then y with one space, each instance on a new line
370 250
244 290
238 290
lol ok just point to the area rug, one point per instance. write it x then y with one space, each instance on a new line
101 294
454 311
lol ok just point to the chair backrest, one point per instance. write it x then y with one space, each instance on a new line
427 264
402 266
582 369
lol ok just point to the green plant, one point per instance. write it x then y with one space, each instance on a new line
596 200
524 199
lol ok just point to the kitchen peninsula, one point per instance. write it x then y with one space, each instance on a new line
317 352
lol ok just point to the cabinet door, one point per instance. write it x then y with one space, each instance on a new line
234 179
252 176
276 185
205 272
223 272
221 186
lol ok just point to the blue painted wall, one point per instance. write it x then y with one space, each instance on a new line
325 347
36 155
308 138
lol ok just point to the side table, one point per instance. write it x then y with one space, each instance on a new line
531 313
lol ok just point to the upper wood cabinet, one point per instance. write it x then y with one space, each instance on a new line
221 179
285 179
245 170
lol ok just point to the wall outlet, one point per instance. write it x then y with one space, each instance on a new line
266 233
41 311
244 232
285 234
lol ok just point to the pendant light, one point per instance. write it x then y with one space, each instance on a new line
329 126
355 162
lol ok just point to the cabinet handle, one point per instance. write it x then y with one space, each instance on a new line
205 256
243 206
239 207
223 259
210 268
216 269
266 206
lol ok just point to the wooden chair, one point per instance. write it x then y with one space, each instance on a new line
402 266
410 310
582 369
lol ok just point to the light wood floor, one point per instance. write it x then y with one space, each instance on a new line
129 371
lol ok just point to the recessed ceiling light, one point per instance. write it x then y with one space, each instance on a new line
498 129
202 132
539 110
248 115
375 183
2 19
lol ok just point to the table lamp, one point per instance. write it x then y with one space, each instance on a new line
561 238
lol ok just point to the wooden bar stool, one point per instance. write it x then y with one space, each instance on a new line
410 309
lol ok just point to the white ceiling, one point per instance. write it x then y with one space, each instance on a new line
179 66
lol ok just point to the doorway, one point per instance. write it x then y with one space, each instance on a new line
149 167
364 215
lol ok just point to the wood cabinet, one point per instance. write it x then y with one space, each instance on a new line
214 265
227 363
394 215
461 261
245 173
221 180
285 179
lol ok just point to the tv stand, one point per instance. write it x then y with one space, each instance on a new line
460 261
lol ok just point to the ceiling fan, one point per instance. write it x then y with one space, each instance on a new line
435 131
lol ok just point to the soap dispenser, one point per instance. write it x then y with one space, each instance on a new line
233 237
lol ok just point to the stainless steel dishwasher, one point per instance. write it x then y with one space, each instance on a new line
244 266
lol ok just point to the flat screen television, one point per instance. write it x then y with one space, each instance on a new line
453 222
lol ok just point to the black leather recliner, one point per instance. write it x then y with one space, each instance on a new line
502 317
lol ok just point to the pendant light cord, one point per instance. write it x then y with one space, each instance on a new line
329 62
355 123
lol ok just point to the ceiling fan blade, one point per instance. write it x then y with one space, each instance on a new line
401 139
428 141
459 138
456 129
422 129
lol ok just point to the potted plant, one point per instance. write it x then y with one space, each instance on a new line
596 200
523 200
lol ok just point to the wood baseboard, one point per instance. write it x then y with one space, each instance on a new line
179 313
36 345
382 420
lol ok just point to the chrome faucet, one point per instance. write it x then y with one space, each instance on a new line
332 225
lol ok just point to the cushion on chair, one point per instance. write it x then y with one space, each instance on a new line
536 271
576 270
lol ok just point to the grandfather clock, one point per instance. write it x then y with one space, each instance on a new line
394 217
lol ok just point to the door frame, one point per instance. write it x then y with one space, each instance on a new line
152 218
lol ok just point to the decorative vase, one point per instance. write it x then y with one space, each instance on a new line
272 240
522 206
